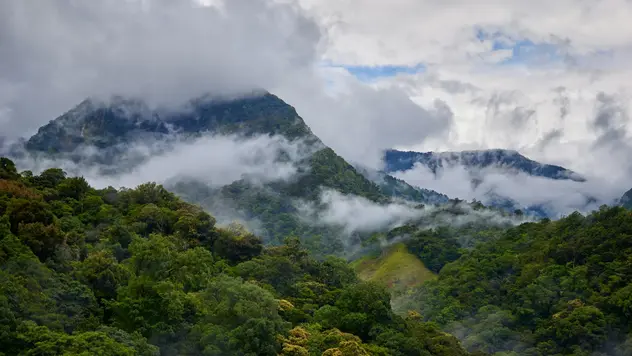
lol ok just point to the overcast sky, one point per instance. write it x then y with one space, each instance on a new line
551 79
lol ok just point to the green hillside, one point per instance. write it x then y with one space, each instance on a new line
140 272
394 267
550 288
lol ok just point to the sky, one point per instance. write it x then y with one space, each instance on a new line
551 79
533 76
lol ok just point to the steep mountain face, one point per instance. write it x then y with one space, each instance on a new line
398 188
112 126
626 200
122 120
507 160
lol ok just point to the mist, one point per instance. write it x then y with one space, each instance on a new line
215 160
357 214
556 197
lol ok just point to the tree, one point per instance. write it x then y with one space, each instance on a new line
238 246
7 169
73 188
102 273
43 240
50 178
23 211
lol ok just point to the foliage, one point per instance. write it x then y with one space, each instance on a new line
140 272
395 267
548 288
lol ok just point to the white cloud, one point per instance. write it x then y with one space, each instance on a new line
358 214
212 160
53 54
559 197
543 104
444 32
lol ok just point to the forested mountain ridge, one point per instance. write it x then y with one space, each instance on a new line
105 124
491 176
549 288
141 272
506 160
114 125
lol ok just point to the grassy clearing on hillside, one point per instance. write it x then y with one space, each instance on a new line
396 267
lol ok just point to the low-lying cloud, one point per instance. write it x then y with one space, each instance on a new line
556 197
214 160
357 214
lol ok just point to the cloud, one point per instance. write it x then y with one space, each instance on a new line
54 54
610 120
558 197
356 214
212 160
516 75
360 121
407 32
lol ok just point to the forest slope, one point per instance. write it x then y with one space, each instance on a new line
141 272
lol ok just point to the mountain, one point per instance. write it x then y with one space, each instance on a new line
272 209
626 200
478 164
398 188
107 125
508 161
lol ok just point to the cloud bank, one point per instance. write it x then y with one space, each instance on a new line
213 160
357 214
556 197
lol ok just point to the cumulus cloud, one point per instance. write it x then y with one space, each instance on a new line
408 32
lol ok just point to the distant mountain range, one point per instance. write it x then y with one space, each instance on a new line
477 165
508 161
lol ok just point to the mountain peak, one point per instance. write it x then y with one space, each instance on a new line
106 123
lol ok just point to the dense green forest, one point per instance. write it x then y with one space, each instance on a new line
140 272
273 204
549 288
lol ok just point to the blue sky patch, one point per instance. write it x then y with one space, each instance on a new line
368 73
523 51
